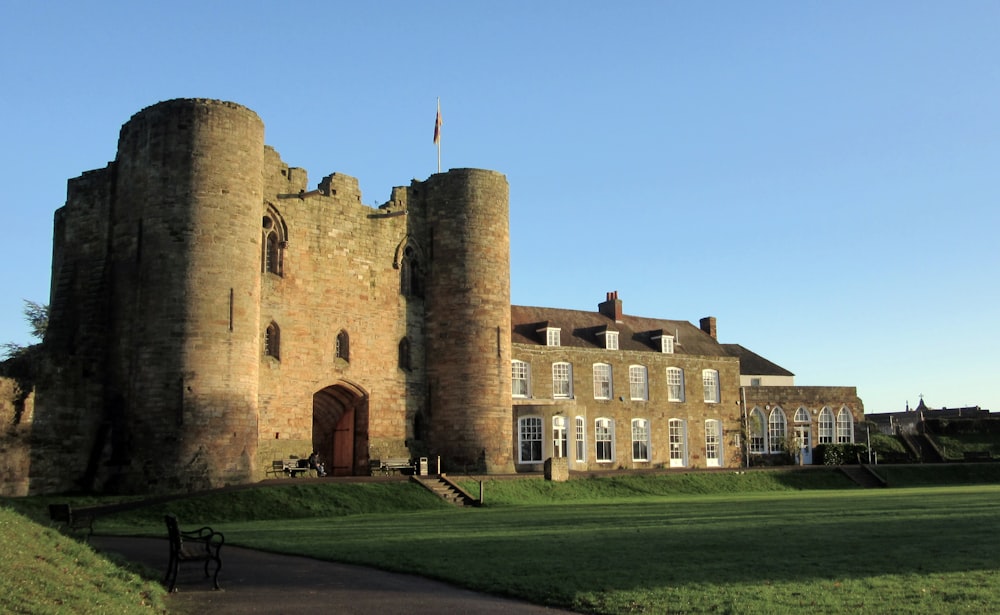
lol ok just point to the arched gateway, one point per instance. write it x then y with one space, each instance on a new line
340 428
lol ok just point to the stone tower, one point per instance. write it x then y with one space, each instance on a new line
179 290
211 314
468 318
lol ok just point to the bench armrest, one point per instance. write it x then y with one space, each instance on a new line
205 535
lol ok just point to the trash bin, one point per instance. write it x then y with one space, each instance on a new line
422 467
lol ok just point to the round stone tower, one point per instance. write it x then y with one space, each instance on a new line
468 319
185 251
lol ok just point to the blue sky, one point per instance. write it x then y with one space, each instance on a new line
822 177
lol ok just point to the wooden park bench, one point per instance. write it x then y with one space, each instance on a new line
289 467
391 465
64 515
200 545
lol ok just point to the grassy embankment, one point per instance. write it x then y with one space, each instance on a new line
46 572
760 542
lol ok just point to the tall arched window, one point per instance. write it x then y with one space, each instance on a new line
777 429
757 432
845 427
710 382
409 259
580 439
604 439
273 242
343 346
640 440
562 380
675 384
559 436
272 341
677 439
520 379
826 426
637 383
713 443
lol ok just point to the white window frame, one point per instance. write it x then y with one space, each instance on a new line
610 339
710 385
562 380
827 426
845 427
757 436
529 439
520 372
638 383
713 443
667 344
677 441
559 436
777 429
552 336
580 439
675 384
603 383
640 440
604 440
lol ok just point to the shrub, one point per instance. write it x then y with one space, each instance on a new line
841 454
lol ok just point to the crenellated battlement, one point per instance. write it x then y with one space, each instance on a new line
212 312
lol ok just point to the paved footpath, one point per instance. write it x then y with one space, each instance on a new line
258 582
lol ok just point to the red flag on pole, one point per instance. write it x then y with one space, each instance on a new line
437 124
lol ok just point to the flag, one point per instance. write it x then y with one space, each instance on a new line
437 125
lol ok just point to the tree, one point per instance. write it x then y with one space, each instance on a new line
37 315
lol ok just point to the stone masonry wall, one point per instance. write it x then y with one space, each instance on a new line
694 411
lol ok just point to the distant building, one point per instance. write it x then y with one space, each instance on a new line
781 415
910 420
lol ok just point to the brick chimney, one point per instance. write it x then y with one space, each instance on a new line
708 326
611 307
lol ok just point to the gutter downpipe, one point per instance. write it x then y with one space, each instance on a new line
746 427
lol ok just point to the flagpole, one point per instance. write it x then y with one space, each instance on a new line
437 132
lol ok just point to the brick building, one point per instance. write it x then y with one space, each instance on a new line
210 312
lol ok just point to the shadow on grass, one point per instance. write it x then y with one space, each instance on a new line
562 550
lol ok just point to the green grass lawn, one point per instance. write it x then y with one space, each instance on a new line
912 550
45 572
759 542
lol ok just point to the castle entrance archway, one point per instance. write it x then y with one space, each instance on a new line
340 428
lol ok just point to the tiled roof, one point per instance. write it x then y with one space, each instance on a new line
752 364
579 329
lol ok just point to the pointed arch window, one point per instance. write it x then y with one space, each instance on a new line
274 240
272 341
409 260
343 350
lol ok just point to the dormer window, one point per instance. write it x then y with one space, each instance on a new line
610 339
666 343
552 336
